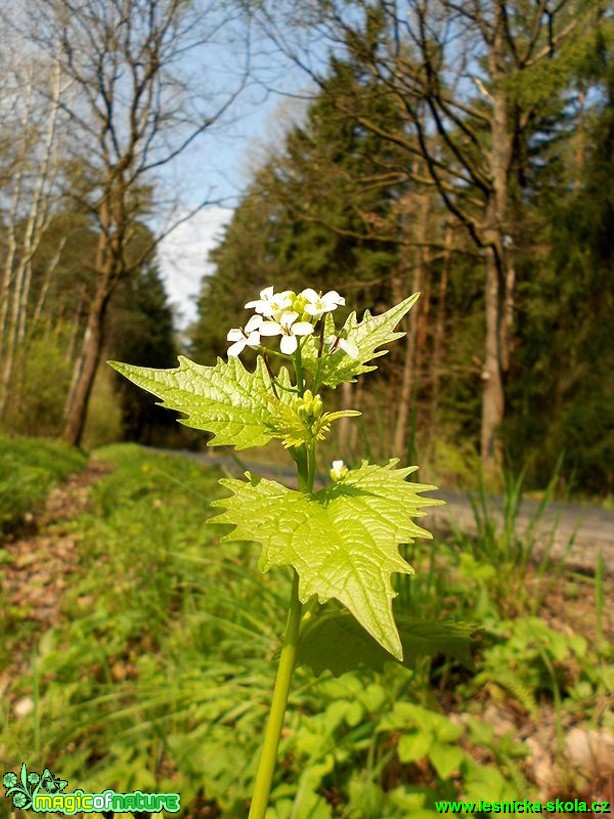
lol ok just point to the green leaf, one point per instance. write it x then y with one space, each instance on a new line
333 641
238 407
445 759
486 782
369 334
414 746
343 541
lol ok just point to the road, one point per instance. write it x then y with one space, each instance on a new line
574 532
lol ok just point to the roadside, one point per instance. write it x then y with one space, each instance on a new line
142 604
571 533
36 571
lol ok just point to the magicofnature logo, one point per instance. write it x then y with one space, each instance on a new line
44 793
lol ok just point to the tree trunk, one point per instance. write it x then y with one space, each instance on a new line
422 317
411 323
440 324
343 430
499 274
407 382
10 347
86 367
493 403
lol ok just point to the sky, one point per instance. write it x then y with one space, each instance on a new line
182 257
218 169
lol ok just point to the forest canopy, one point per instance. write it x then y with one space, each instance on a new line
477 178
462 151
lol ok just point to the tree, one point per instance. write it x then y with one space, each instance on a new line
471 79
134 107
141 329
317 214
334 207
30 134
563 383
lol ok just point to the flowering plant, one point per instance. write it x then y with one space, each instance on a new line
341 541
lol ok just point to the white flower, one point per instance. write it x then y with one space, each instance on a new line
317 304
248 336
288 328
271 304
338 343
338 471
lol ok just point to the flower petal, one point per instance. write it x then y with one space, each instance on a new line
288 344
310 294
287 318
237 348
332 297
236 334
253 339
348 347
270 328
253 324
301 328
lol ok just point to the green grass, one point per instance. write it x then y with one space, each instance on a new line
159 675
29 467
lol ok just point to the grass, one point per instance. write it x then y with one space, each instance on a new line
159 674
29 467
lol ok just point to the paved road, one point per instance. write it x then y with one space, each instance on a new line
572 530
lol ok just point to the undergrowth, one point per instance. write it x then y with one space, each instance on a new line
159 675
29 467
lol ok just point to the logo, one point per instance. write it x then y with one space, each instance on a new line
45 793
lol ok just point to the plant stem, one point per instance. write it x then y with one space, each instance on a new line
311 465
266 767
298 367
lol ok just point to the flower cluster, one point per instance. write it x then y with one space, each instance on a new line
288 315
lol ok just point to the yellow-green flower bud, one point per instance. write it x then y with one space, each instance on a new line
308 401
339 470
298 304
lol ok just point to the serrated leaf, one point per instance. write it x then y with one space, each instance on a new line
368 334
333 641
239 407
343 541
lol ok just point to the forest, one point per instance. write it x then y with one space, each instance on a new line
460 151
467 156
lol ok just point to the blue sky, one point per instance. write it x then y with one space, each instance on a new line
218 169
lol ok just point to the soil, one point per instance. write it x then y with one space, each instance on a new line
37 566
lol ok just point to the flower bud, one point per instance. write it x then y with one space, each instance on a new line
339 470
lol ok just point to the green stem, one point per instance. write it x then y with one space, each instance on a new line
305 463
311 465
298 367
266 767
